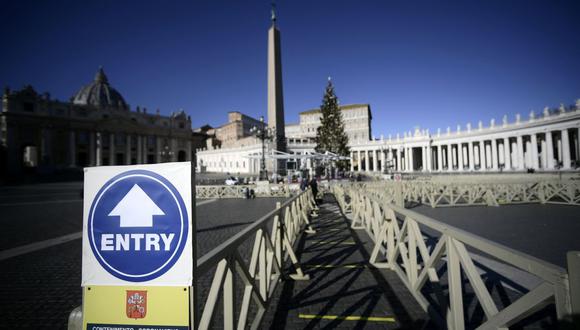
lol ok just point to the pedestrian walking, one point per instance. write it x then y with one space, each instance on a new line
314 187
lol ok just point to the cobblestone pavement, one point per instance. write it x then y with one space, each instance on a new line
38 212
343 292
39 289
544 231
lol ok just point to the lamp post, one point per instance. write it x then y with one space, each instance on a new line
263 133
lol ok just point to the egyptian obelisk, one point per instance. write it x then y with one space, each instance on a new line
275 95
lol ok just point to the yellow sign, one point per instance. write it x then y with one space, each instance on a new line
135 307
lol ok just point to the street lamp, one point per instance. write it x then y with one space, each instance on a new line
263 133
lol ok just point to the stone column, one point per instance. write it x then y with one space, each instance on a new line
399 159
158 140
128 149
439 158
500 154
482 164
429 158
352 161
72 149
534 142
550 150
471 157
449 158
460 163
383 163
429 153
359 160
494 161
527 153
507 154
544 157
99 151
455 157
423 159
374 152
112 149
566 163
520 146
488 158
514 148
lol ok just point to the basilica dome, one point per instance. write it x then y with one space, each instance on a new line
100 94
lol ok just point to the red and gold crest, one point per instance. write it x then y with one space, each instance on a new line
136 304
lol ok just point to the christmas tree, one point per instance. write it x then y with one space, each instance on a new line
330 136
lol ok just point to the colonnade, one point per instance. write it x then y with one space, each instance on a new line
542 150
107 148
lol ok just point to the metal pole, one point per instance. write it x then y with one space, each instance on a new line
263 174
194 315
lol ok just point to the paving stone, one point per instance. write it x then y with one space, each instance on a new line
334 290
39 289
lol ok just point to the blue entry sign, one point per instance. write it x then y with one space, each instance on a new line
137 225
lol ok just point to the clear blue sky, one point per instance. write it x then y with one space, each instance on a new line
426 63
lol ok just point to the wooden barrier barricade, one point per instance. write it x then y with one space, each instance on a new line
400 239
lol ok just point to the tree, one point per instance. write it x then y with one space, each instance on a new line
330 136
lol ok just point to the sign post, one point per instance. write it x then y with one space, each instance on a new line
138 239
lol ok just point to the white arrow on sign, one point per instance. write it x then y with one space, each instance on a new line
136 209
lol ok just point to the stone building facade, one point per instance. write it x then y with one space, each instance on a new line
97 127
543 142
356 117
240 153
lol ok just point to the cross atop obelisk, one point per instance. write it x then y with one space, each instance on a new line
275 94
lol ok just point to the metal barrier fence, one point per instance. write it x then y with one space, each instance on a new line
274 236
237 191
439 194
400 239
260 276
